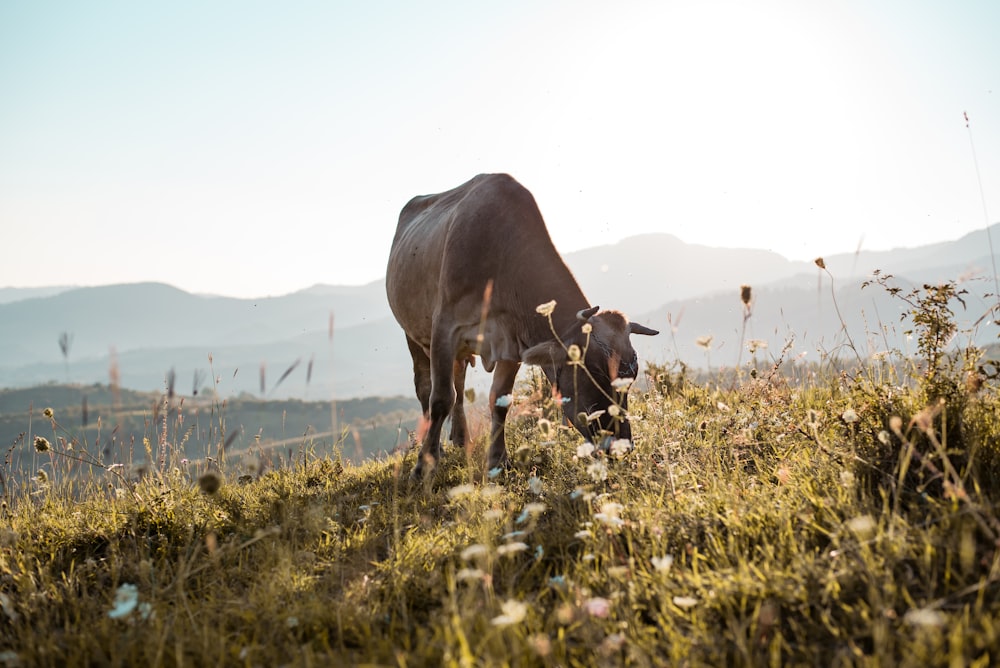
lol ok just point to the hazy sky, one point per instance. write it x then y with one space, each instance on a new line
253 148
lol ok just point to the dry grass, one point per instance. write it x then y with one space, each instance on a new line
844 522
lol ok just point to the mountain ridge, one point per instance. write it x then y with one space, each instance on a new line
149 328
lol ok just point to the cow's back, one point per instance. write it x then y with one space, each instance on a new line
449 245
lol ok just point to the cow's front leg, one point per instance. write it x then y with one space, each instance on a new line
503 383
459 426
441 400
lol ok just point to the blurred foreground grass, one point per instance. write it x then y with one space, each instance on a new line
760 524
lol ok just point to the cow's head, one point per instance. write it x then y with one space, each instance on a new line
592 369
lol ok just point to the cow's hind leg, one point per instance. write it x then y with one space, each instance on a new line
459 427
442 398
421 375
503 383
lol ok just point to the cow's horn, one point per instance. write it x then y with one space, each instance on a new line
584 314
636 328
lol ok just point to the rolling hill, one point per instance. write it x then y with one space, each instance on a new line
140 332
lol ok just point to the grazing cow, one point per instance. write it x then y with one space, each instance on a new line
472 271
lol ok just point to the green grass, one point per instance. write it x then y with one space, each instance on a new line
747 528
831 516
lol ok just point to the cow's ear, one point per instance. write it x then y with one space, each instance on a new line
636 328
546 355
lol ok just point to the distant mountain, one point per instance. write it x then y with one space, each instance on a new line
8 295
687 291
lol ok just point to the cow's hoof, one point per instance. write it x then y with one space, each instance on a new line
423 469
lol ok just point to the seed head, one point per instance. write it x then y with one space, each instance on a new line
819 263
49 413
41 444
210 482
547 308
745 294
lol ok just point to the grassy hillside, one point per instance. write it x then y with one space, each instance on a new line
117 426
835 519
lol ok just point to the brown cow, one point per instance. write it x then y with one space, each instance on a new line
468 272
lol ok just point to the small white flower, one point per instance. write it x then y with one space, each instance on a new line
292 622
8 607
533 509
620 447
126 600
849 416
469 574
546 309
535 485
504 401
610 514
460 490
622 384
574 353
685 602
925 617
598 471
513 612
863 526
662 564
587 328
614 410
584 533
474 552
585 449
883 437
511 548
597 607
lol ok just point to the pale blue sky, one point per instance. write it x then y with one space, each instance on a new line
255 148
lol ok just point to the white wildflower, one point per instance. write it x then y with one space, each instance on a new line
546 309
598 471
474 552
511 548
460 490
535 485
513 612
597 607
585 449
620 447
925 617
685 602
622 384
849 416
610 514
126 600
662 564
863 526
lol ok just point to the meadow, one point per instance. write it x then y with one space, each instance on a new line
842 513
